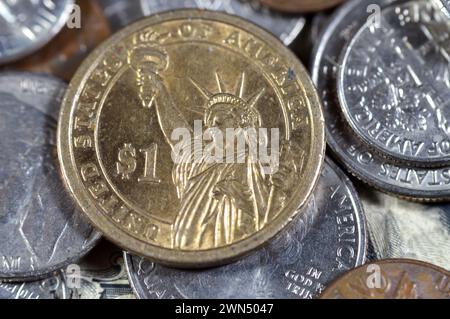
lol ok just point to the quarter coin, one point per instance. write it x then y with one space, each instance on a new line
40 229
135 155
297 264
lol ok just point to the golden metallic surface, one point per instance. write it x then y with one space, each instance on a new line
64 54
299 6
392 279
162 73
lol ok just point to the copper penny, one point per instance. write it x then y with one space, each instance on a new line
392 279
301 5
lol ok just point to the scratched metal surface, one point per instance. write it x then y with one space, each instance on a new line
40 229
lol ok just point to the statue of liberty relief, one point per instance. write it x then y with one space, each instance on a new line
220 203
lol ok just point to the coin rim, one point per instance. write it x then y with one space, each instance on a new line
359 212
319 53
46 38
407 160
292 35
167 256
44 272
398 261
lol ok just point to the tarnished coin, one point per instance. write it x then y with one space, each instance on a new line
64 54
301 5
392 279
143 137
49 288
27 25
286 27
291 266
403 229
356 156
121 13
40 230
393 84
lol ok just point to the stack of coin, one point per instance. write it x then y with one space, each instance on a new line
383 81
193 140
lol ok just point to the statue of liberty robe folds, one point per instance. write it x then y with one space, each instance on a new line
220 202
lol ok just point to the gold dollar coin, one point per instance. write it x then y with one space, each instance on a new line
191 138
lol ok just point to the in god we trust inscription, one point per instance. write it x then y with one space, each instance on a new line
133 158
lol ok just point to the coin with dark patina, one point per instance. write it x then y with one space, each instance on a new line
392 279
301 5
297 264
64 54
40 229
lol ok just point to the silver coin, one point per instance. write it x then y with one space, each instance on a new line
403 229
286 27
40 230
53 287
121 13
287 267
27 25
360 160
393 84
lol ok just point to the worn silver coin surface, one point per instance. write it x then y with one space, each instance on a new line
27 25
291 266
53 287
40 229
286 27
394 85
356 156
121 13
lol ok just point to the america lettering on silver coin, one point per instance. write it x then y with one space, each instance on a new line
357 157
284 26
27 25
297 264
394 83
40 229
